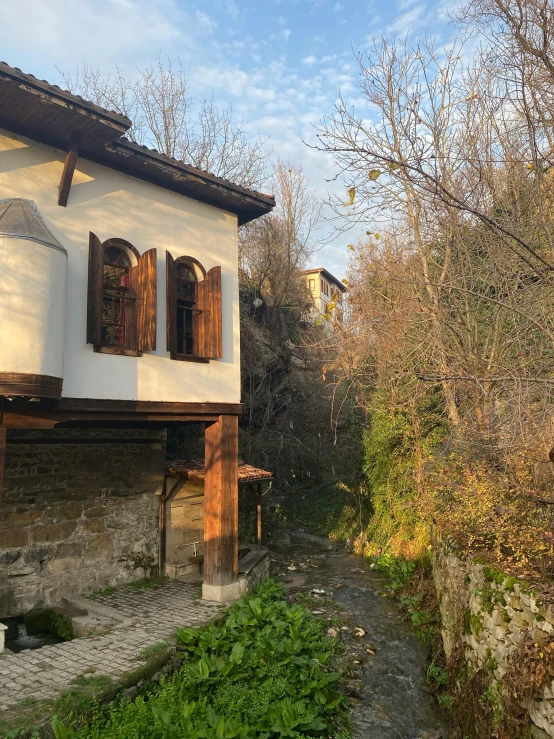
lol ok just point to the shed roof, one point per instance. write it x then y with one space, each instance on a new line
46 113
195 469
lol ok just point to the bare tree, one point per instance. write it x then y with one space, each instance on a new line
449 171
274 248
165 116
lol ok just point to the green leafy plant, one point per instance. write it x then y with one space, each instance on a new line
61 626
437 676
266 671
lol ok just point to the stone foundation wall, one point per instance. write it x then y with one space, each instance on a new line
487 619
80 512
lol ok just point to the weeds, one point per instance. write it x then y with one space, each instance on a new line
158 648
150 582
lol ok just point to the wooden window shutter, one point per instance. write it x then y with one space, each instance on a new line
210 336
95 285
171 303
143 282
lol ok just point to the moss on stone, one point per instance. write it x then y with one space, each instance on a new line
477 624
467 621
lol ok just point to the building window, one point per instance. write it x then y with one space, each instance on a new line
194 329
186 309
312 285
117 299
121 310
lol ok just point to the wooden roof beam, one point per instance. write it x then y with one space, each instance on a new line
69 167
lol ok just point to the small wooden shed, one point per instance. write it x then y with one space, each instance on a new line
182 521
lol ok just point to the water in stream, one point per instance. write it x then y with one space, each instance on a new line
18 639
393 698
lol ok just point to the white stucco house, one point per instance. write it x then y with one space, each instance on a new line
119 310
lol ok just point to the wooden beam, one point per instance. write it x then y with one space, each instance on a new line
69 167
259 512
37 419
146 406
221 502
2 460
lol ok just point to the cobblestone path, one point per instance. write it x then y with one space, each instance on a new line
151 616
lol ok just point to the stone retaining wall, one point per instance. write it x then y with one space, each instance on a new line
487 618
79 513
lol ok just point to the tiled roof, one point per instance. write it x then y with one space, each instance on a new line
195 469
49 114
326 272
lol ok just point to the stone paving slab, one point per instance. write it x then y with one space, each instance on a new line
154 613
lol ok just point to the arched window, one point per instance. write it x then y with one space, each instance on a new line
193 310
121 314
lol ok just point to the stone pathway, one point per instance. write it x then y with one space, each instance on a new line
151 616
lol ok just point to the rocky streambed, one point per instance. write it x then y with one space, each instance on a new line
386 660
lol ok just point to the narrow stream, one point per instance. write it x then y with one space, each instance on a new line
394 701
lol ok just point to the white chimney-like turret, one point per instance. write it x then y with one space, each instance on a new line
33 287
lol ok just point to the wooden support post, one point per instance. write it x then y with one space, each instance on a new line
69 168
221 511
259 512
2 460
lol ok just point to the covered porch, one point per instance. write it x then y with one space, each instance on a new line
199 523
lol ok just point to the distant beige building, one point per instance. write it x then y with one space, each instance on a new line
327 293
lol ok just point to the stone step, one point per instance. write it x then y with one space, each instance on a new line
173 570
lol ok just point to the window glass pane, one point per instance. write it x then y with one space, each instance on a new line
107 310
113 335
116 276
113 255
185 272
186 290
185 330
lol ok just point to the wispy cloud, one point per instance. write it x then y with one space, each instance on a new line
405 4
283 34
205 21
278 84
407 22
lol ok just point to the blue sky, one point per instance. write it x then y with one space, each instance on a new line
279 63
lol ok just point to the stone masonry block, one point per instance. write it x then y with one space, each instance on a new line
97 511
53 532
100 547
11 538
58 566
23 519
69 511
95 526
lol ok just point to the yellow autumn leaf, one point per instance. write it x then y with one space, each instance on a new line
394 166
352 248
344 281
529 165
351 196
374 174
377 236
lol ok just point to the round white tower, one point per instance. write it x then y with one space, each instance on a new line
33 286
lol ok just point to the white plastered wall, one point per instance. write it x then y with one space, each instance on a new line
111 205
32 311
